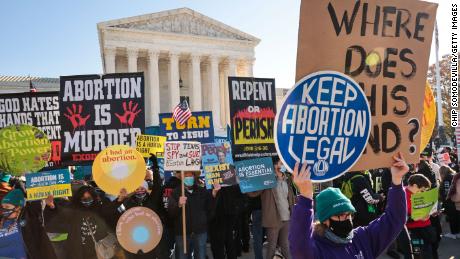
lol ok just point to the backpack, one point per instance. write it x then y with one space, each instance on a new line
347 187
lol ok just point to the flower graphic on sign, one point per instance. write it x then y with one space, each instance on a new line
75 116
130 113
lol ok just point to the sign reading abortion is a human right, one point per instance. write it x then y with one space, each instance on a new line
324 121
252 116
100 111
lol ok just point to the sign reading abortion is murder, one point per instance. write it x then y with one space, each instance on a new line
218 164
324 121
256 174
182 156
41 185
100 111
252 116
199 127
384 45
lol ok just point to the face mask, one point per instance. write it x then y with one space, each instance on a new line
140 195
341 228
87 202
189 181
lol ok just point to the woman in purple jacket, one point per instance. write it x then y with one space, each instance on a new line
333 235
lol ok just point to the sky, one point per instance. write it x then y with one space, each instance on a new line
49 38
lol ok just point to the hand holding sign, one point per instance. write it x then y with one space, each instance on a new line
302 180
398 169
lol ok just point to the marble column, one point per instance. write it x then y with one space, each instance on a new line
174 79
215 90
249 67
132 59
231 71
153 97
109 57
195 93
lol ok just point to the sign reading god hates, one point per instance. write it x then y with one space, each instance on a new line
182 156
199 127
252 116
384 45
324 121
39 109
100 111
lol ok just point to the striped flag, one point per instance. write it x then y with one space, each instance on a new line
182 113
32 88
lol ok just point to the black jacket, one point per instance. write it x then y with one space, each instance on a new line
198 209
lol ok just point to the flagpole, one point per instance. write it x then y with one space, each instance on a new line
184 227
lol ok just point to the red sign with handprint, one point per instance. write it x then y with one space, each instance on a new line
100 111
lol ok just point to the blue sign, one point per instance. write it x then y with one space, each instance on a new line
54 177
255 174
324 121
217 164
199 127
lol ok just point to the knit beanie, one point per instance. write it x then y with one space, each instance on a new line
15 197
5 177
332 202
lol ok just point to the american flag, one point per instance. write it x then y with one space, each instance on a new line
182 112
32 88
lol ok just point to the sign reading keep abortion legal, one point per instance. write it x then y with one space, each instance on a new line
324 121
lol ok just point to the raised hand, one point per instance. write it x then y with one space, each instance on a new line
130 113
49 201
123 195
216 189
399 168
302 180
75 116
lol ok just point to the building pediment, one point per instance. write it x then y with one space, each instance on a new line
180 21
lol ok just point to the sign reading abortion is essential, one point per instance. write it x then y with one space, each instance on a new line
324 121
256 174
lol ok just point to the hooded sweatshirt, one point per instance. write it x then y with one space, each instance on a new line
368 242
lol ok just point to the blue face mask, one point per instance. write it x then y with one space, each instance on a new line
189 181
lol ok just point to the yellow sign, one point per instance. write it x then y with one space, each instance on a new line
149 144
429 116
118 167
59 190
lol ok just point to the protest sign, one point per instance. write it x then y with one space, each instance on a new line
139 229
100 111
23 149
182 156
218 164
255 174
198 128
429 116
324 121
384 45
444 159
149 145
118 167
422 203
40 109
252 116
41 185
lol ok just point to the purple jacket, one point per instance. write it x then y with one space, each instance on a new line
368 242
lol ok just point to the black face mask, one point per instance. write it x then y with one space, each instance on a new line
341 228
87 202
140 195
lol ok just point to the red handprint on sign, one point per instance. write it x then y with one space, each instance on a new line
75 116
130 113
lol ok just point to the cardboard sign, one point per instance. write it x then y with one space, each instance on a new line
384 45
23 149
218 164
429 116
324 121
182 156
41 185
40 109
100 111
252 116
139 229
198 128
423 202
256 174
118 167
148 145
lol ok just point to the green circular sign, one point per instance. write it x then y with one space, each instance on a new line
23 149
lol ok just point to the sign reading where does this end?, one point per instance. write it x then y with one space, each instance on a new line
324 121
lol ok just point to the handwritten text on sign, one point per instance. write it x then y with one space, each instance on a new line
182 155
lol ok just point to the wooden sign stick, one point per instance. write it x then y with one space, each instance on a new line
184 227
